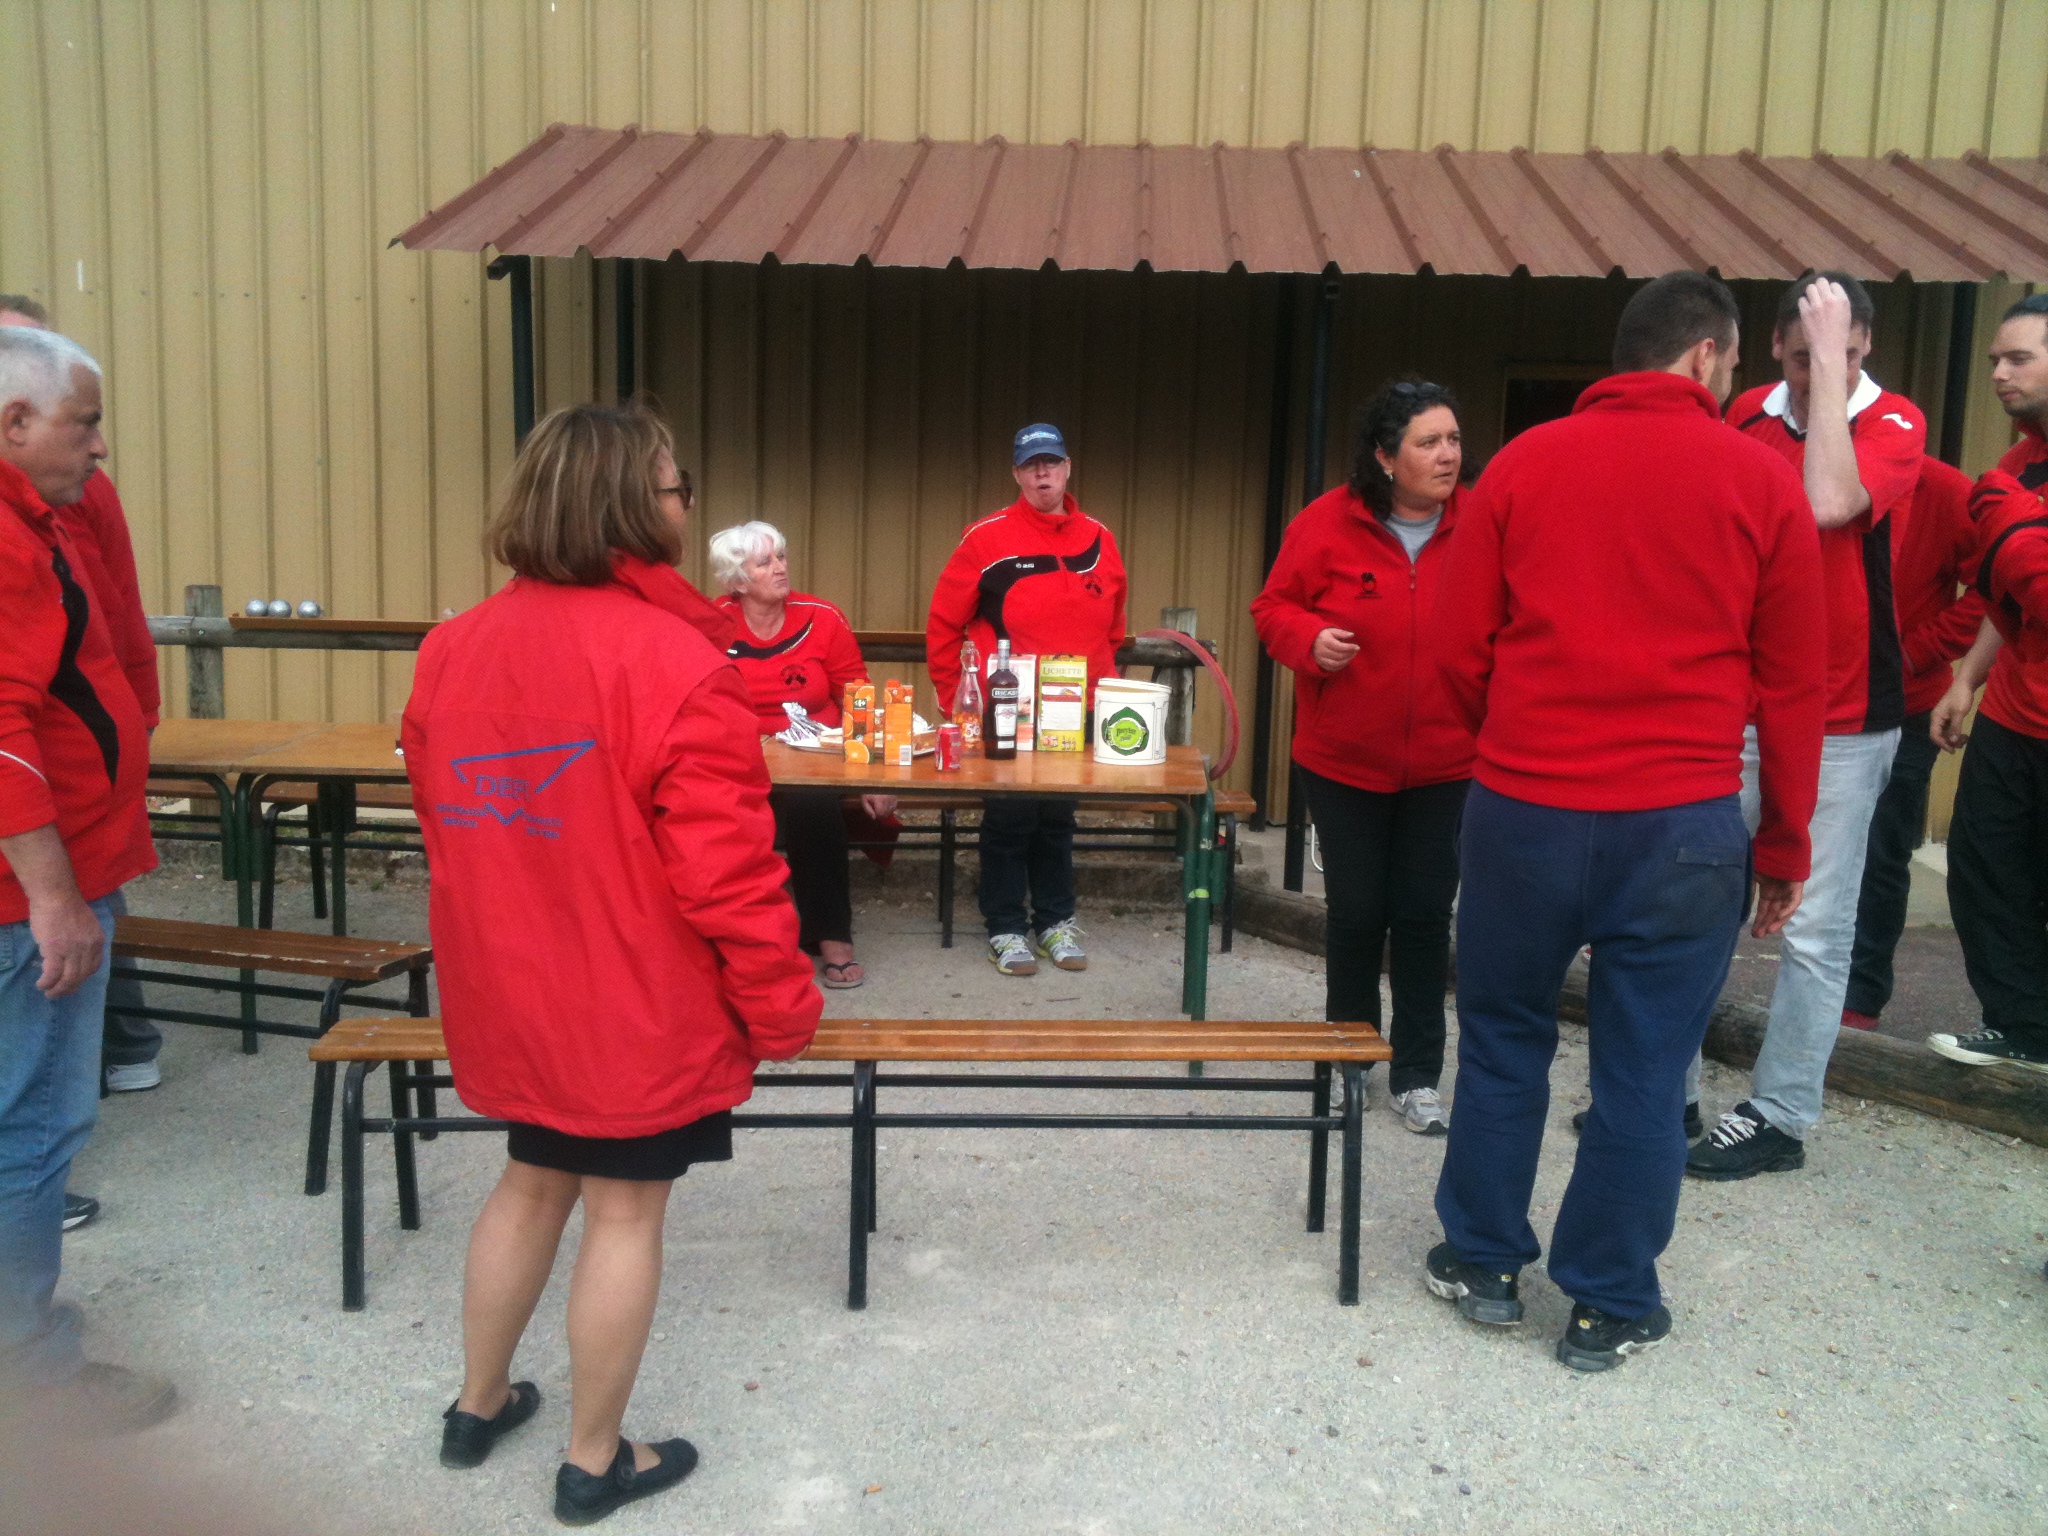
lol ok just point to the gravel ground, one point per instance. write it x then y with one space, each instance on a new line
1104 1332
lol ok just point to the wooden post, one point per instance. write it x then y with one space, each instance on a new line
1180 709
205 668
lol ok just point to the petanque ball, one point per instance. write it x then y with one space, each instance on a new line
279 608
256 608
309 609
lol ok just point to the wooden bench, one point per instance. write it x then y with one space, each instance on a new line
949 837
411 1046
344 965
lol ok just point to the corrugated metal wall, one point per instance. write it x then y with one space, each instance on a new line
202 190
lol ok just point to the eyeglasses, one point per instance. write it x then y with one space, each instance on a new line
673 490
1406 390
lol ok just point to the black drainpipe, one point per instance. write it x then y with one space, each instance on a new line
520 270
1294 869
1955 394
1276 522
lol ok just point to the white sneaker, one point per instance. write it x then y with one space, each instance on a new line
133 1077
1010 953
1421 1111
1061 944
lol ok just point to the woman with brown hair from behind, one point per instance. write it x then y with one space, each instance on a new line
616 951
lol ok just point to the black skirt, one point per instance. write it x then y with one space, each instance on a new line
664 1155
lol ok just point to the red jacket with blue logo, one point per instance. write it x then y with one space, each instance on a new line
1384 720
614 944
73 748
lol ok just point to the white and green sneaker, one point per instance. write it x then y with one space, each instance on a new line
1061 944
1010 953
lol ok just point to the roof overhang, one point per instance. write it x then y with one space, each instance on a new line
740 198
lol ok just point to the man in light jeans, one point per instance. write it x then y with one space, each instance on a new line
1859 450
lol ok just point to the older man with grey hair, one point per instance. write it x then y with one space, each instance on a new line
74 759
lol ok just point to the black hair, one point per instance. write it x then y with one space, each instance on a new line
1862 308
1670 315
1382 423
2035 304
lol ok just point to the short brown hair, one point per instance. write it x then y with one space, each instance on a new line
1670 315
23 305
584 487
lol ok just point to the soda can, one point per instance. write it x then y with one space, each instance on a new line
950 749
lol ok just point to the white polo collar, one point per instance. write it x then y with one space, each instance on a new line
1779 401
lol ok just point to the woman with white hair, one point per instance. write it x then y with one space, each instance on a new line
792 648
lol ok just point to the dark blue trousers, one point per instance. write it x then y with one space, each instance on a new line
1660 896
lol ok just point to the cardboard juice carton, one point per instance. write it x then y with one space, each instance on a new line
1026 668
857 727
899 736
1062 703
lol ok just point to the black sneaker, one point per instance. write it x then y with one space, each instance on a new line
1484 1295
467 1438
581 1499
1599 1341
1743 1145
78 1210
1693 1124
1988 1047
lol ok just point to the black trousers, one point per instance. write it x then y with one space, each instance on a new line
1998 878
1390 873
812 831
1897 827
1027 855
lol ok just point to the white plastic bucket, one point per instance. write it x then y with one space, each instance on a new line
1130 721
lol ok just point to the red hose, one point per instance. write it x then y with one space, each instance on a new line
1230 733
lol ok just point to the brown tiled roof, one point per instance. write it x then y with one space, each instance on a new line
731 197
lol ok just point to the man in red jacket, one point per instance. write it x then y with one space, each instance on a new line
1998 840
1858 448
1608 646
106 565
74 758
1047 577
1938 619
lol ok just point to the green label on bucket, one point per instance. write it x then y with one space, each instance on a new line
1126 732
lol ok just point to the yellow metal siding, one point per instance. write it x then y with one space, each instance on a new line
202 190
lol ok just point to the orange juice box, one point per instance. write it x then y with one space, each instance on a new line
1062 703
899 738
857 727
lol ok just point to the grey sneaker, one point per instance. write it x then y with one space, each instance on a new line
1010 953
1061 944
134 1077
1421 1111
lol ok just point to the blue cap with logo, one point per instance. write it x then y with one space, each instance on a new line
1040 440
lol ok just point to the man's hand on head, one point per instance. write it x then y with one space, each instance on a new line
1824 316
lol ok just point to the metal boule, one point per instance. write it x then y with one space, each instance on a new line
310 609
256 608
278 608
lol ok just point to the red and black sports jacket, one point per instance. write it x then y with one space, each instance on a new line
106 556
1939 612
809 661
73 748
2016 696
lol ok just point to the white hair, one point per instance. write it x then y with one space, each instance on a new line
732 548
36 366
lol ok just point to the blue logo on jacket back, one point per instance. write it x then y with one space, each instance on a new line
504 786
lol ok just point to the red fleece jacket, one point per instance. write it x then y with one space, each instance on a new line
1054 585
1383 721
73 748
613 942
1623 583
1938 613
2016 696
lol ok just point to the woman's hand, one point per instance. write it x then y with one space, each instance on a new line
878 806
1333 649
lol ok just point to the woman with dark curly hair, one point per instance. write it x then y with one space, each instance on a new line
1383 757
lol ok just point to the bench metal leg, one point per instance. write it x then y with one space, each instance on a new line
1226 853
400 1073
862 1202
319 1129
266 871
1318 1149
1197 880
338 803
352 1296
316 857
1354 1171
949 847
423 1092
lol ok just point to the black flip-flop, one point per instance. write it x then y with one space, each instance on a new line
467 1438
840 983
581 1499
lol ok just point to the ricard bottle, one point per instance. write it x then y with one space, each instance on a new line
999 735
968 705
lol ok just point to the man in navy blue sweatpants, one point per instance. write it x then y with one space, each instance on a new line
1629 584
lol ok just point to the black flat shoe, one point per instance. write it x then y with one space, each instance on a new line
466 1438
581 1499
